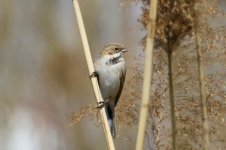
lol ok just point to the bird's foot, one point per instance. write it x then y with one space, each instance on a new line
101 104
94 74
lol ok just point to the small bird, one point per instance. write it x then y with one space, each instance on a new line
110 72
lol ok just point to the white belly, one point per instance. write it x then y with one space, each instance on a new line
109 83
109 78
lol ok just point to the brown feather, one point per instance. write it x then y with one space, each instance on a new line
122 78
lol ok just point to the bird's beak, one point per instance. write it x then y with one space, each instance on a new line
124 50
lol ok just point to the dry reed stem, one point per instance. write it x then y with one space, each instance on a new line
172 105
91 70
202 91
147 75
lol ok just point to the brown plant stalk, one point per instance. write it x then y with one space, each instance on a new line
147 75
91 70
202 90
172 105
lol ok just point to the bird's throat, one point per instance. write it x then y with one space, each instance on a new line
115 60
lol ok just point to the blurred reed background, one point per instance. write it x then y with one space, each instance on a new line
43 72
44 77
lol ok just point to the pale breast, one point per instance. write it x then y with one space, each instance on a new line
109 77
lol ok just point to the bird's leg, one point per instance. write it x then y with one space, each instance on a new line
102 104
94 74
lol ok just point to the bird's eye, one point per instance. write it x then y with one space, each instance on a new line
116 48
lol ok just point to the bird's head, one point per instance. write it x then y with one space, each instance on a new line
113 48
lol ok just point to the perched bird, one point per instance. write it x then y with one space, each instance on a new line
110 72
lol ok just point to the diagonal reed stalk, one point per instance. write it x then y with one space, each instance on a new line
147 75
202 90
91 70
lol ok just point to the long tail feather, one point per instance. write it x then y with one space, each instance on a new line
112 128
110 116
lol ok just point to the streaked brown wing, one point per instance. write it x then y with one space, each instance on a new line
122 80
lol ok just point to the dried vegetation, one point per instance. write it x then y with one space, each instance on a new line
175 37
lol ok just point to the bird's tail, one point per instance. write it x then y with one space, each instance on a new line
112 128
110 116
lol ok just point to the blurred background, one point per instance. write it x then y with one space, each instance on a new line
44 76
43 72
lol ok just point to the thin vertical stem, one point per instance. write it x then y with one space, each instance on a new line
172 105
202 91
147 75
91 70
